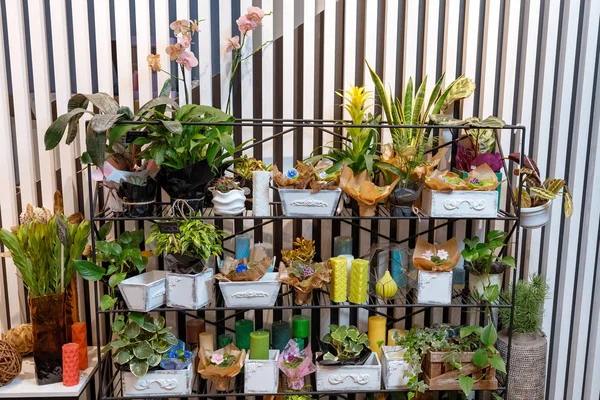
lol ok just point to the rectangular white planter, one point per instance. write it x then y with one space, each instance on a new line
394 366
261 293
261 376
191 291
434 287
144 292
303 203
158 383
350 377
459 203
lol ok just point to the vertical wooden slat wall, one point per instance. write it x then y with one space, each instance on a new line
535 63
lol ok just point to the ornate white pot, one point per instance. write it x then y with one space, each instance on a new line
144 292
350 377
261 376
434 287
158 383
535 217
192 291
262 293
303 203
230 203
394 366
459 203
478 283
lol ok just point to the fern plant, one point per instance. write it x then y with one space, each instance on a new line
529 305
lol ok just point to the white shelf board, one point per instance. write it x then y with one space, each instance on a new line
24 386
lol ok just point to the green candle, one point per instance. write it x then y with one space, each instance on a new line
259 345
268 331
301 328
299 342
224 339
243 327
281 334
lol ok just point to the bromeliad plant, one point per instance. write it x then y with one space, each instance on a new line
483 258
346 345
141 342
244 166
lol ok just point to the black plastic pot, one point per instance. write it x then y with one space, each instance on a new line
182 264
360 360
402 199
188 183
138 201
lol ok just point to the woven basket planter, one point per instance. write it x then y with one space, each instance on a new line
527 364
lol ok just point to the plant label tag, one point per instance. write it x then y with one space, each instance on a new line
168 227
61 230
132 135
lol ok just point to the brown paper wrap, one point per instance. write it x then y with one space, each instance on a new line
305 287
451 181
401 161
423 264
220 376
257 267
361 189
307 179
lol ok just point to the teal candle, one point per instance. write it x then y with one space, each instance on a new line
342 245
259 345
281 334
224 339
300 343
242 246
243 328
301 328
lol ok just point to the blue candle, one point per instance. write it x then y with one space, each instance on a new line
399 267
342 245
242 246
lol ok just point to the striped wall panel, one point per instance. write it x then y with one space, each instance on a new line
535 62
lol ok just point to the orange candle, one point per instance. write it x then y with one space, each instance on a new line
79 336
70 364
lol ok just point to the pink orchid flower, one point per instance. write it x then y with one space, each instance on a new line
255 14
232 43
216 358
245 24
443 254
184 40
187 59
427 255
154 62
195 27
180 26
174 51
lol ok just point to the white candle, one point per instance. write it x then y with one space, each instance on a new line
260 193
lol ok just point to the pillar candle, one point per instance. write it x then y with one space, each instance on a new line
342 245
207 341
281 334
376 333
79 336
399 264
391 341
70 364
242 246
243 327
300 343
259 345
301 328
349 258
224 339
359 281
269 332
193 329
339 279
260 193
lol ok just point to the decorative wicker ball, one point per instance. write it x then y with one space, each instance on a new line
10 363
21 337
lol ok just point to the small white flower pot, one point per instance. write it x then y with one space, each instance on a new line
261 293
303 203
192 291
395 367
459 203
230 203
535 217
350 377
478 283
261 376
144 292
434 287
158 383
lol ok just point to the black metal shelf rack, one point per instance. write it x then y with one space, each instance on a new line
109 378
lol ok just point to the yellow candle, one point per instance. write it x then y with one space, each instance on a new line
359 281
339 279
207 341
376 333
398 332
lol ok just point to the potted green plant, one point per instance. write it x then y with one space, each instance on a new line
187 253
46 266
348 363
227 197
536 195
529 344
407 150
485 266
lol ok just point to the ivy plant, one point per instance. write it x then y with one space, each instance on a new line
346 341
140 342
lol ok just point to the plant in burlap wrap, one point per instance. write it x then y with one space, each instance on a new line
10 363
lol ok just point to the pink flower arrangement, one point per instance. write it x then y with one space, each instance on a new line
296 364
216 358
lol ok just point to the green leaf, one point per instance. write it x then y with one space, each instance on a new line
174 127
489 335
118 324
104 230
329 357
85 158
480 358
138 318
107 302
138 368
115 248
491 293
497 362
112 268
123 357
118 344
466 384
56 130
132 330
496 235
89 271
171 339
143 350
153 360
468 330
116 279
159 322
510 261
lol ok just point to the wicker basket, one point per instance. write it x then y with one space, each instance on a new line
527 364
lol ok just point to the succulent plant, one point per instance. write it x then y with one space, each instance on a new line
304 250
226 184
246 165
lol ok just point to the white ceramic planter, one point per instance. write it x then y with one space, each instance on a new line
350 377
144 292
459 203
261 376
535 217
434 287
262 293
191 291
478 283
303 203
394 367
230 203
158 383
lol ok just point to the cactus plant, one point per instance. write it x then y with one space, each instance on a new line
226 184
